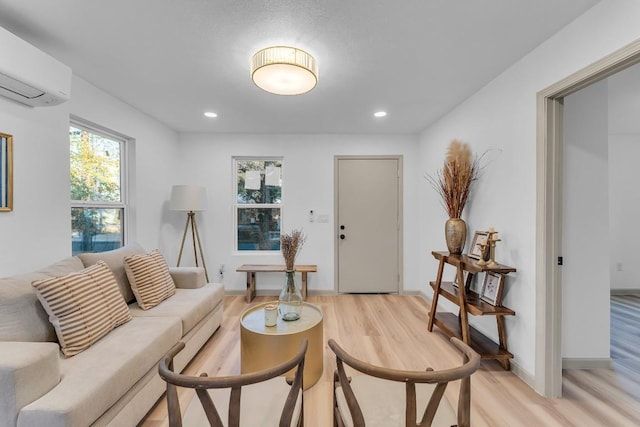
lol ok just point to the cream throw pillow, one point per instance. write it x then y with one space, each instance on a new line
149 277
82 306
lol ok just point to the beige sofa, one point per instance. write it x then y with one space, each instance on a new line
115 381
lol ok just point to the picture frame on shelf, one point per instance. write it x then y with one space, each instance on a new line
455 278
475 285
492 288
6 172
479 248
470 282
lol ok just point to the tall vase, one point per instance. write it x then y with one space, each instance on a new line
455 232
290 299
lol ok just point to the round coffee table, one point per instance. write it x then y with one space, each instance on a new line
263 346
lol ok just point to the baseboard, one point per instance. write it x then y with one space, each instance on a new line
523 374
625 291
587 363
314 292
276 292
427 297
321 292
259 292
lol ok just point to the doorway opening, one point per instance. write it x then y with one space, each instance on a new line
548 357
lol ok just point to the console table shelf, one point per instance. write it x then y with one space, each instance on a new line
450 324
474 304
469 302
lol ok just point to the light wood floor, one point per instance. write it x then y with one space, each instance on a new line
625 343
391 330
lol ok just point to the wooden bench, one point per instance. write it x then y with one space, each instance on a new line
252 269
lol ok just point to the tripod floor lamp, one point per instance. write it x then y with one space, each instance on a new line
191 199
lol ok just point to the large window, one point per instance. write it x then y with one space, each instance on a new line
98 185
258 203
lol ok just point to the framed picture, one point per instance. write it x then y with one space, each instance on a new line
479 248
492 288
455 278
6 172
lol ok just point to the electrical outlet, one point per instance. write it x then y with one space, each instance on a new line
618 266
221 272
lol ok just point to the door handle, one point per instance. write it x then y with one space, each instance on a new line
342 236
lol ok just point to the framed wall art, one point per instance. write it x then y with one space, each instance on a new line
6 172
479 248
492 288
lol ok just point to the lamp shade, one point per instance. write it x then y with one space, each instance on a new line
284 70
188 198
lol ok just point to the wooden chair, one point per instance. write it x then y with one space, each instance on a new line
390 397
268 399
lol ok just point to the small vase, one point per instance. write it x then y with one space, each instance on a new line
290 299
455 232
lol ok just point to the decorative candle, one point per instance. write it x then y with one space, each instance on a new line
270 314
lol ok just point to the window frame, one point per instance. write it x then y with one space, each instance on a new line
126 145
236 205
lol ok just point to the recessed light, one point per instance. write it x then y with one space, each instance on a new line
211 114
380 113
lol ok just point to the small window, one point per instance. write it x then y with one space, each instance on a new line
258 204
98 187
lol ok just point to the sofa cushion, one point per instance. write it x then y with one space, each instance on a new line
83 306
22 317
188 277
115 261
28 370
190 305
94 380
149 277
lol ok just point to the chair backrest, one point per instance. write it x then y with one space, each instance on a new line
471 362
202 384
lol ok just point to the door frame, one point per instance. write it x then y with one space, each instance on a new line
548 354
397 157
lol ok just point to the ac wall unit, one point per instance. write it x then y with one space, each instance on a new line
30 76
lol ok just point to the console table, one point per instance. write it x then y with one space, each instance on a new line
252 269
469 302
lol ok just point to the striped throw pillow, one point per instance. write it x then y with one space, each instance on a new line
149 277
82 306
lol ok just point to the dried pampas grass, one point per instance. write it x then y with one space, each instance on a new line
290 245
454 181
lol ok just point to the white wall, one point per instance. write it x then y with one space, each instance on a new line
308 185
585 225
624 204
154 164
624 198
37 232
503 115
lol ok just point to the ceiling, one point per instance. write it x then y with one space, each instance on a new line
174 60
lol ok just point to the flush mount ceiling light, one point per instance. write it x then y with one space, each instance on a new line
284 70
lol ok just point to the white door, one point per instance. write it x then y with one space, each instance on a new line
368 224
